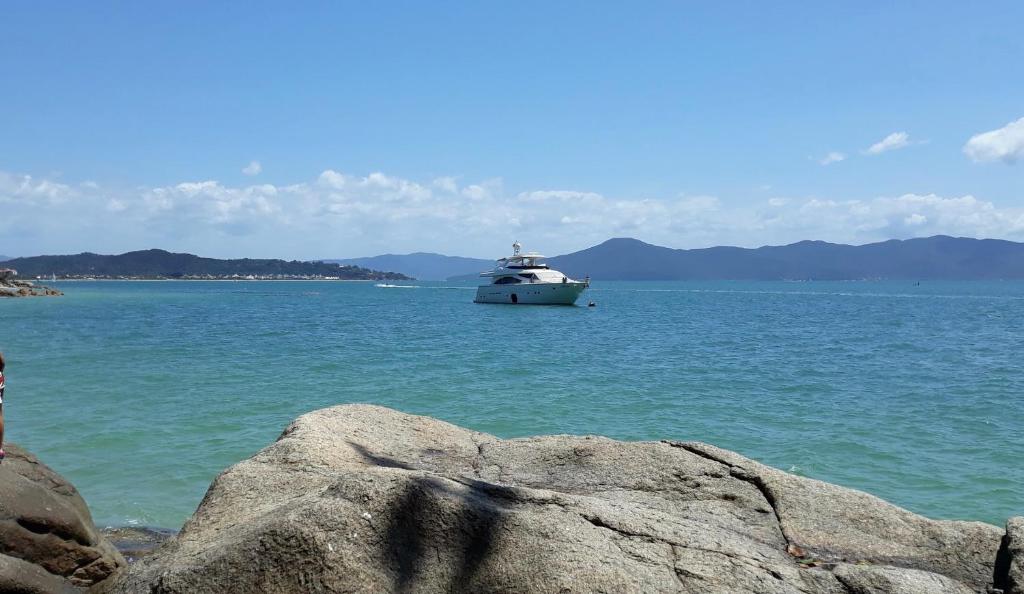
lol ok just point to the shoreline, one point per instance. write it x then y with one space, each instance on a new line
22 288
136 542
220 280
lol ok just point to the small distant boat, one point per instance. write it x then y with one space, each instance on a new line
387 286
524 279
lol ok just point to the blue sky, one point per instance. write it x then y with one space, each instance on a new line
459 127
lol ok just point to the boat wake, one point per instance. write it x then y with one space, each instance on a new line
387 286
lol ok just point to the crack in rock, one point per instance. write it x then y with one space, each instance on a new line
740 473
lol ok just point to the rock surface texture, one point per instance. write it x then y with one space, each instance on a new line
1010 563
135 542
19 288
48 542
365 499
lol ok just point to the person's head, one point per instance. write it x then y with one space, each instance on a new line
1 362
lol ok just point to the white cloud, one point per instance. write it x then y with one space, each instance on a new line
26 189
1005 144
896 140
447 184
915 219
253 168
338 214
909 215
332 179
483 191
475 192
563 196
832 157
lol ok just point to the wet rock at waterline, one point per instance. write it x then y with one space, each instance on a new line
135 542
18 288
48 542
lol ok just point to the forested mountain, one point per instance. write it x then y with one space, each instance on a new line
163 264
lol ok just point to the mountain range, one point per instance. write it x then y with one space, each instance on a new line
930 258
163 264
938 257
422 265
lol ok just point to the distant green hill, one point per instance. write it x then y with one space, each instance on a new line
421 265
163 264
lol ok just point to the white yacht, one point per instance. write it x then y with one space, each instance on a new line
525 279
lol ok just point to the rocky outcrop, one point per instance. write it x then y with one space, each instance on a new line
48 542
11 287
135 542
365 499
1009 575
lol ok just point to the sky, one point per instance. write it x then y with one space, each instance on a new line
343 129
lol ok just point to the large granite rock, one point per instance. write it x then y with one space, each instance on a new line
1010 563
365 499
48 542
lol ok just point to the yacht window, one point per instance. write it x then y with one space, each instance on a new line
530 276
507 280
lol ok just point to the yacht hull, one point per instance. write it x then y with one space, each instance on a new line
531 293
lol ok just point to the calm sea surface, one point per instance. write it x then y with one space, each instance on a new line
141 392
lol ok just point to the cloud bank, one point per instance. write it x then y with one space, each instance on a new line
340 215
1005 144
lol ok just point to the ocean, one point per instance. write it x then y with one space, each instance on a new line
140 393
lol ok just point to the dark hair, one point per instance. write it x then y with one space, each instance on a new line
1 362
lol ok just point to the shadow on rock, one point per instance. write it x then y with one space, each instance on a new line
376 459
428 512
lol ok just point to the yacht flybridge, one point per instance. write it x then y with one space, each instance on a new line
525 279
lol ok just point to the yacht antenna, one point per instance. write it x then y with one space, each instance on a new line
515 248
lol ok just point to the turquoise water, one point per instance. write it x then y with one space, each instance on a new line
141 392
